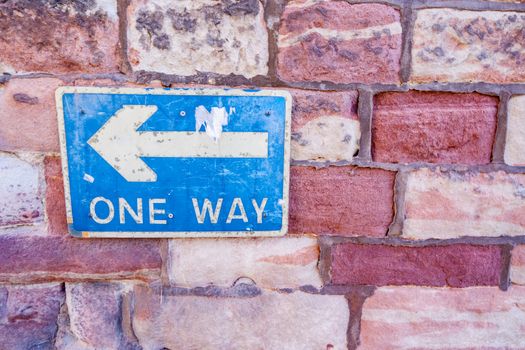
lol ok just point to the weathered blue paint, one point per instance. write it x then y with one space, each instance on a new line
178 179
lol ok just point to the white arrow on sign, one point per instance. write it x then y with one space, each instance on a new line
120 144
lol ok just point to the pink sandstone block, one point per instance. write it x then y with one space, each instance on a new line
339 42
455 265
433 127
341 200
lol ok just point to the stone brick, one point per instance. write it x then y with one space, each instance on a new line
28 259
430 318
456 265
325 125
286 262
74 36
517 265
28 118
467 46
28 316
449 204
337 200
20 199
433 127
187 37
94 315
270 320
515 143
339 42
55 204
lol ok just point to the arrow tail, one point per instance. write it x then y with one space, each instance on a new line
199 145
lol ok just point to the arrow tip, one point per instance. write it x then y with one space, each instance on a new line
116 142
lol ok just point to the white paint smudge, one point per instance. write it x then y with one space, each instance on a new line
88 178
213 121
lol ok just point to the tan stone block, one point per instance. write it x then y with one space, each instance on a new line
468 46
271 320
432 318
20 197
517 265
515 143
187 37
448 204
284 262
325 125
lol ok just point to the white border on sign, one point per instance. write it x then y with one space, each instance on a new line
176 91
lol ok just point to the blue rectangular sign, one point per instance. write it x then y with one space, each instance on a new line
175 162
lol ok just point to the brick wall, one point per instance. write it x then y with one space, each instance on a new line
407 209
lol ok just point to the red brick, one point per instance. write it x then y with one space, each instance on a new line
345 201
339 42
29 259
58 37
28 316
434 127
55 204
457 265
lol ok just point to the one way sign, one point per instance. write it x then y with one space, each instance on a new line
175 162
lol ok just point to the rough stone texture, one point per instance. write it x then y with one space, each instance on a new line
72 36
515 143
270 320
28 316
434 127
456 265
467 46
337 200
186 37
339 42
286 262
55 205
27 259
325 125
431 318
94 316
441 204
517 265
32 101
20 198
